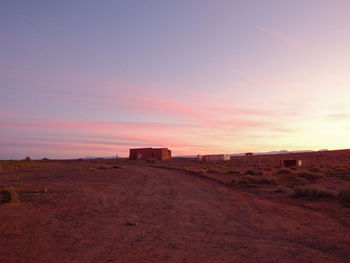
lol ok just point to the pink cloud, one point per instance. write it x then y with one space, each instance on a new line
165 106
119 136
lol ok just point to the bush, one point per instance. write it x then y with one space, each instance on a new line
213 170
233 172
315 170
75 169
344 197
253 172
310 175
8 195
197 171
260 179
284 171
312 191
102 167
282 189
234 182
27 158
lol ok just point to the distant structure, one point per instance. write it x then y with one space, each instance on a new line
150 154
289 163
249 154
214 157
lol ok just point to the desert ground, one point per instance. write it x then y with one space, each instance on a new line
178 210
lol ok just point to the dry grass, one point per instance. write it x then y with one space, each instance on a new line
312 191
312 176
344 197
283 189
234 172
252 180
214 170
284 171
197 171
260 179
253 172
75 169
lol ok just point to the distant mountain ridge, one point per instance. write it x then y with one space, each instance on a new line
255 153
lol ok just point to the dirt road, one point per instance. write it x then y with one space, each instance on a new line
144 214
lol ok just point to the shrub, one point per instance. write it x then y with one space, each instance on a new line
344 197
233 172
27 158
312 191
102 167
8 195
244 182
284 171
197 171
282 189
213 170
315 170
234 182
260 179
310 175
253 172
75 169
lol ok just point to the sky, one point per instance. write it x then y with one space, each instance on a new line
95 78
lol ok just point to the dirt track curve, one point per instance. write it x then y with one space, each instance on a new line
179 218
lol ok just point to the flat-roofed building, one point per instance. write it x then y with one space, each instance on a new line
214 157
150 154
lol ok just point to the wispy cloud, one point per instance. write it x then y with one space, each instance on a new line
286 38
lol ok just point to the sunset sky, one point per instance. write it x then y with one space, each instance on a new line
94 78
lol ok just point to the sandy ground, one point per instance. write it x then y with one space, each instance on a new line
147 214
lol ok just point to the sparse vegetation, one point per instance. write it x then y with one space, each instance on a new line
344 197
75 169
234 172
197 171
253 172
282 189
284 171
260 179
312 191
213 170
8 194
310 175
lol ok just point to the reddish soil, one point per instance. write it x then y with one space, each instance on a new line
139 213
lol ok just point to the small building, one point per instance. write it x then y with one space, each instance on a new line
214 157
150 154
291 163
249 154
